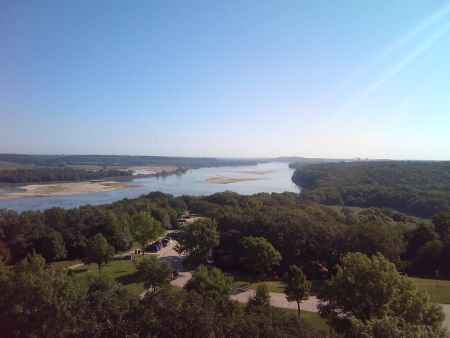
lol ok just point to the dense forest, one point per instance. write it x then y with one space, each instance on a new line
416 188
305 233
57 233
313 236
36 175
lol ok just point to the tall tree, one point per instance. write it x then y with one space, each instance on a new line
210 282
145 227
154 272
98 251
370 289
197 239
297 285
259 255
261 299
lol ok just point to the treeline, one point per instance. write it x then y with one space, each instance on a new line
315 237
58 234
40 301
122 160
37 175
416 188
306 234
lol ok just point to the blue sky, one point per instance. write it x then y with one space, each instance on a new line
226 78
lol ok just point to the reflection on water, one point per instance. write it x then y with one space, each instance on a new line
276 178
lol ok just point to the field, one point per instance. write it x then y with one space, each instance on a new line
312 318
439 290
252 282
120 270
272 286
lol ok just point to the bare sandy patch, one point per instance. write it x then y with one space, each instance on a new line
228 180
62 189
257 172
151 169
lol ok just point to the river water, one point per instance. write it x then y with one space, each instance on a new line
277 178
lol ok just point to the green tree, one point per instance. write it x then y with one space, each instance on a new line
210 282
297 285
427 258
154 272
145 227
441 222
51 245
369 289
98 251
392 326
197 239
37 301
258 255
261 299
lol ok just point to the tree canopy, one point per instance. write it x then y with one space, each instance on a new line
154 273
98 251
371 290
197 239
210 282
259 255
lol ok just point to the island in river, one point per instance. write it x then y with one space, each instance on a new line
228 180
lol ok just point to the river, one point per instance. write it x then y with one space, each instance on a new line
269 177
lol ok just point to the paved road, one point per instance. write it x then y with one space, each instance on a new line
169 255
277 299
446 308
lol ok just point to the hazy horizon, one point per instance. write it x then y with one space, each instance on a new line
229 80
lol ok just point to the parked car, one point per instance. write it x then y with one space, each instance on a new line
158 243
166 241
128 257
173 234
152 248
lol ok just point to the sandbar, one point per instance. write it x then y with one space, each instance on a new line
63 189
151 169
257 172
228 180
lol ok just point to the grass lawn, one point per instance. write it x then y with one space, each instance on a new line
252 282
65 264
312 318
439 290
272 286
120 270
